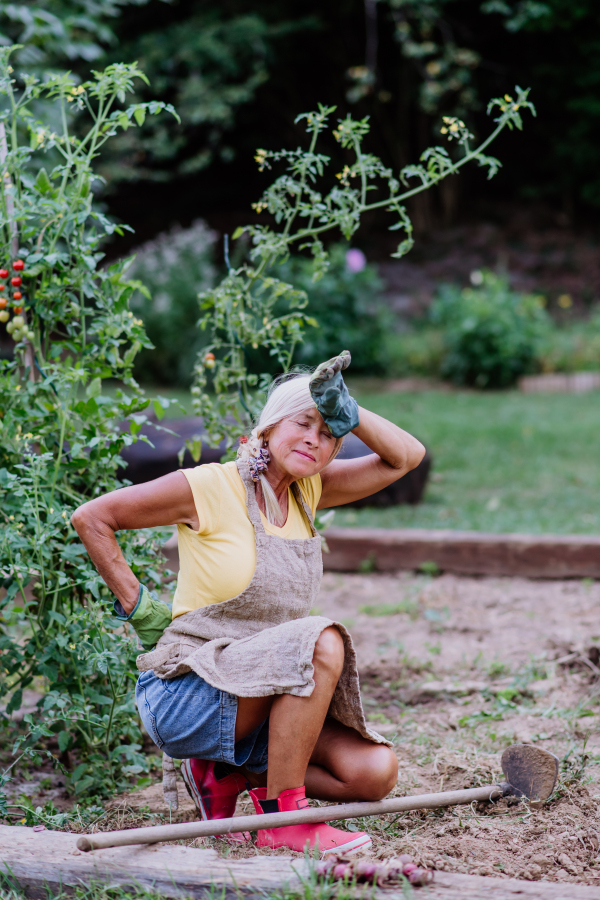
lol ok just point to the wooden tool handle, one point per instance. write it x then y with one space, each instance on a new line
184 830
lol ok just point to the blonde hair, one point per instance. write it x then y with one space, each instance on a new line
289 396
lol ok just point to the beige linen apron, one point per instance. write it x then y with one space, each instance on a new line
262 642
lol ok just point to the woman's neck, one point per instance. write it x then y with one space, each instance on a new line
280 482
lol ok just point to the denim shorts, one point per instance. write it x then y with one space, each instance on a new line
188 718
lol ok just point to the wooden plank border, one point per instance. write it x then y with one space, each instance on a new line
48 861
463 552
460 552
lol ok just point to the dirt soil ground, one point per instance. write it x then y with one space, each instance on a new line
453 670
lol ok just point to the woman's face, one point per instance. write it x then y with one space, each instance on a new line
302 445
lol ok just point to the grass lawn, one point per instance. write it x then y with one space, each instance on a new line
502 461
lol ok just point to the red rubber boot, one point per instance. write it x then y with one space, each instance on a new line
297 837
214 797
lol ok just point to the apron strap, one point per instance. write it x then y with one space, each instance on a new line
303 506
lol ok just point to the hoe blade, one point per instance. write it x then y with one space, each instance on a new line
530 771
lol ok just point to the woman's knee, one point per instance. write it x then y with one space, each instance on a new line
329 651
377 774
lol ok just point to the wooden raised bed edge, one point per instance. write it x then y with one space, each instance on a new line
48 862
463 552
459 552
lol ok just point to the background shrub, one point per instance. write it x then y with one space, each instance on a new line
415 352
175 267
573 347
492 335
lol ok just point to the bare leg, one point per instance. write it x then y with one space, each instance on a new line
251 711
296 722
345 766
334 761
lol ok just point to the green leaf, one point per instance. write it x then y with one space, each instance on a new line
15 702
123 299
100 699
140 115
42 182
78 772
64 739
159 409
132 353
194 445
94 387
83 784
238 233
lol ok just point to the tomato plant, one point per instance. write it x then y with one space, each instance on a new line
251 308
61 432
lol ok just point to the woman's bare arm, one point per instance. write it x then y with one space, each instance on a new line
395 452
166 501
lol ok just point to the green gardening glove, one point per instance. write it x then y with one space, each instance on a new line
149 618
327 388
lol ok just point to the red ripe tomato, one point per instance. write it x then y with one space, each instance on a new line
2 302
2 286
18 310
17 281
17 295
3 273
18 265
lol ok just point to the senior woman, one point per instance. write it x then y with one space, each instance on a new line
243 685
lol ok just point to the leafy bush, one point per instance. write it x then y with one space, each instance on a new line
72 330
421 350
572 348
418 351
346 306
175 267
492 334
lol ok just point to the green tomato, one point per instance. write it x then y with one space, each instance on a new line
30 335
17 334
10 327
4 315
19 321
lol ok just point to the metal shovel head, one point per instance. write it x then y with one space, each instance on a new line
530 771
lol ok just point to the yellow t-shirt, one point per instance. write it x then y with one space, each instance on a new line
217 562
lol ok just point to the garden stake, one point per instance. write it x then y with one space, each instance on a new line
529 771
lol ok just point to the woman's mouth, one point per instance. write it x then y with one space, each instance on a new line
305 455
